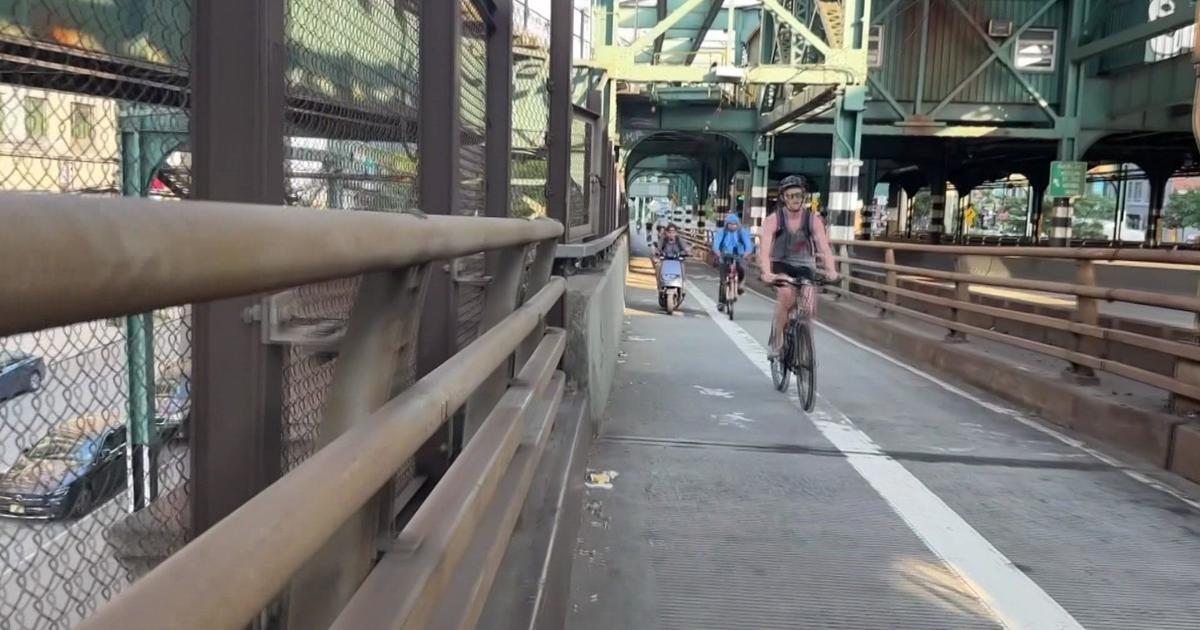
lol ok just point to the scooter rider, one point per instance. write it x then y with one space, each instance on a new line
671 246
734 241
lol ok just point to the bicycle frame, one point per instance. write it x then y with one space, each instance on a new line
731 274
798 307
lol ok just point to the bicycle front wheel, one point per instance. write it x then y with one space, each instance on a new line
804 364
779 367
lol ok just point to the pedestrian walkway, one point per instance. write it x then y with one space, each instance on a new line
900 502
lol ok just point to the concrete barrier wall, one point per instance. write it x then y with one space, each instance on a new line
595 308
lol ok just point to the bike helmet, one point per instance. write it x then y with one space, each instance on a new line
793 181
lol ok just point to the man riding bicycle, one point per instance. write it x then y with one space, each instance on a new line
735 243
791 236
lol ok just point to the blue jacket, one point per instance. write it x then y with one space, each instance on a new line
726 242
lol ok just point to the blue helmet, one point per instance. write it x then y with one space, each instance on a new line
732 218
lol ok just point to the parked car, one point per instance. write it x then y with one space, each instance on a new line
20 373
173 404
78 465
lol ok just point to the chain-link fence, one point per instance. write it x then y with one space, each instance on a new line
93 101
360 59
90 97
531 111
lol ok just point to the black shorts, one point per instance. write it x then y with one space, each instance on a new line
799 273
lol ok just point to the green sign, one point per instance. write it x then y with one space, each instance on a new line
1068 179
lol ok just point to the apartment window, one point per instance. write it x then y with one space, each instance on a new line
875 47
1037 49
1133 221
35 118
1139 191
81 121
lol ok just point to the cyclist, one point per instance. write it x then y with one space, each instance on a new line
734 241
791 236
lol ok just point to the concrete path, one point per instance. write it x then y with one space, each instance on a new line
899 502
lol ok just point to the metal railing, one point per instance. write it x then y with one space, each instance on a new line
1163 356
82 260
1077 333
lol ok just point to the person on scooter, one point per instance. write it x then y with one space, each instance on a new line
733 241
671 246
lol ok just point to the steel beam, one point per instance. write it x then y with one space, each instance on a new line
441 122
498 163
919 104
961 131
807 102
714 8
439 181
664 24
1177 20
796 25
558 181
837 72
1003 59
658 41
998 53
238 108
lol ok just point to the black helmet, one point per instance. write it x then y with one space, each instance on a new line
793 181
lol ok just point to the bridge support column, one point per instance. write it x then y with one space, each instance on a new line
759 182
868 202
845 164
937 209
1064 207
1158 193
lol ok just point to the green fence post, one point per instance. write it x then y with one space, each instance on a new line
141 470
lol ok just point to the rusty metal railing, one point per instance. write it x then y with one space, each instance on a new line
1077 333
75 260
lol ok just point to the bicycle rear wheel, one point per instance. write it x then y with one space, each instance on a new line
779 366
804 364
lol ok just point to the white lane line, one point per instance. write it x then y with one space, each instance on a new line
1024 418
1017 601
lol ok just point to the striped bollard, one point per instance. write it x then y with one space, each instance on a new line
843 195
937 217
1060 224
758 207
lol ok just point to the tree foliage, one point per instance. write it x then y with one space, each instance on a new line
922 205
1183 210
1087 220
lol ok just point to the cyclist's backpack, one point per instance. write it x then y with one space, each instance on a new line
781 225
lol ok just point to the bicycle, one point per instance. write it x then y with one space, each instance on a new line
728 293
796 354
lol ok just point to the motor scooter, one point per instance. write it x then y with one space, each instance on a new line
670 283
